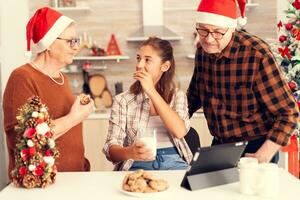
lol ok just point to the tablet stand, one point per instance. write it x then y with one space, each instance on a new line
210 179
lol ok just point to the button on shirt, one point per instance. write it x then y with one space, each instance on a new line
242 92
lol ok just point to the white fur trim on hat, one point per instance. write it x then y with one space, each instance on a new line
28 54
242 21
216 20
58 27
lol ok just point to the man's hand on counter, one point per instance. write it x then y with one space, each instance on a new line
266 152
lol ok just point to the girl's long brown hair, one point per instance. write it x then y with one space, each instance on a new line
166 85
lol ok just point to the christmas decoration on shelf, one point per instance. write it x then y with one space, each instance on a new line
113 47
35 152
97 51
289 48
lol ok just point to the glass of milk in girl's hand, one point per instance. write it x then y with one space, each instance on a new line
148 137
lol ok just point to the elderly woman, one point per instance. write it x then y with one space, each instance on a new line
55 43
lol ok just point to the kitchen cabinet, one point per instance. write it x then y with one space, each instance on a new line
95 131
199 123
94 135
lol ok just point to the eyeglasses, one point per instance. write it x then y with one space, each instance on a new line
215 34
71 42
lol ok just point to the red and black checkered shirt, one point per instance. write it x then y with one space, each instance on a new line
242 92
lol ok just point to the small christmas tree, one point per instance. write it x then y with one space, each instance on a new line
289 50
113 47
35 147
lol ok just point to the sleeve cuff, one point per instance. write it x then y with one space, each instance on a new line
105 150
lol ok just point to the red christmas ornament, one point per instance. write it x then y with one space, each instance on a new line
25 154
296 33
29 133
87 65
48 153
298 103
288 26
38 171
31 151
47 134
292 85
282 38
296 4
22 171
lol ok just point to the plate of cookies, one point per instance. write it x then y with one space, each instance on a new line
143 184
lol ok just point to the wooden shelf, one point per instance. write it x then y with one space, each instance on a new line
72 9
117 58
93 68
191 56
251 5
248 5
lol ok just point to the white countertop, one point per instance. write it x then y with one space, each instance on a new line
106 114
107 185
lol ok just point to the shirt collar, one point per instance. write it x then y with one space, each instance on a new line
141 97
231 48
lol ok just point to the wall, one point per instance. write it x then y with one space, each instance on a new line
125 17
12 46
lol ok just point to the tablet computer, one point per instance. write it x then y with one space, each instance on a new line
213 159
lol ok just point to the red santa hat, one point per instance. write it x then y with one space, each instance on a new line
44 27
222 13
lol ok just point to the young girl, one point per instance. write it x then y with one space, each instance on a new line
152 102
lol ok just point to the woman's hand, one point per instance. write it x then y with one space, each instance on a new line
145 80
140 152
80 112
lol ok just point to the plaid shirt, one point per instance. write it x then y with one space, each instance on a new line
242 92
131 111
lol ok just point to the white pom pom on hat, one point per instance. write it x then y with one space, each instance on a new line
221 13
242 21
43 29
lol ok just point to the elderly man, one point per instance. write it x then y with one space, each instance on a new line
239 85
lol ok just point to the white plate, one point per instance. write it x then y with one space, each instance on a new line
139 194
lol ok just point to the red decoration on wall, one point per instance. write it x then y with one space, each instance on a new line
113 47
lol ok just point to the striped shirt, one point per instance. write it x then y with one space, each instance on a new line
131 111
242 92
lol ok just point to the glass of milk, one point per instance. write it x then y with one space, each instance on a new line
148 136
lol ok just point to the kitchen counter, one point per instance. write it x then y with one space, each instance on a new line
107 185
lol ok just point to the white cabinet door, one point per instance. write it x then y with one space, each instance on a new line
94 135
199 123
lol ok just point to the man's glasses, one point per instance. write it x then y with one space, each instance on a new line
71 42
215 34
